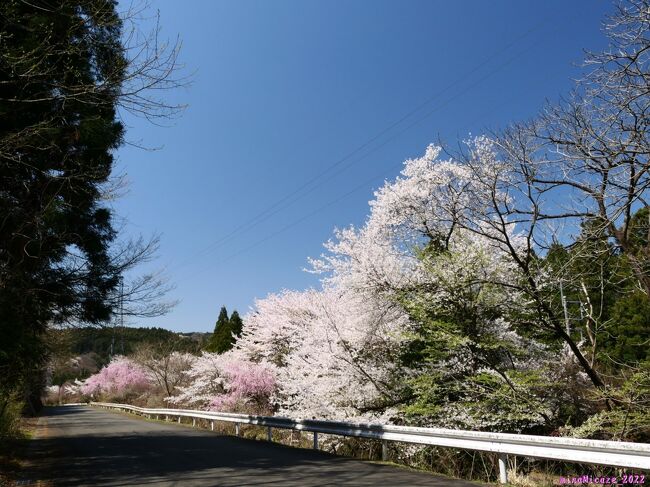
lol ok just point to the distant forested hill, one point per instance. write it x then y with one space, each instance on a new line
79 352
124 339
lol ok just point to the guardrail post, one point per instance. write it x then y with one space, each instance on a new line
212 425
503 468
193 422
384 450
578 451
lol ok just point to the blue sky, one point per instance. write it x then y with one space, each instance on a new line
298 111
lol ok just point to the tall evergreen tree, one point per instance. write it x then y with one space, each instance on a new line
236 325
226 331
63 73
221 328
60 71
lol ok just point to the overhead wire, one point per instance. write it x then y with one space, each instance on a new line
363 185
297 194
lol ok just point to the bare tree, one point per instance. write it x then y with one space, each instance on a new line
594 147
166 365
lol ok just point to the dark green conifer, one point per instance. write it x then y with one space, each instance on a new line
226 331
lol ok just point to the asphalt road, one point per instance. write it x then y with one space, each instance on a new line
79 445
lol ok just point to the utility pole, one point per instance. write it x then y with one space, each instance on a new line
118 318
122 312
566 311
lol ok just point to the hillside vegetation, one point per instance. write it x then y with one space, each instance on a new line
76 353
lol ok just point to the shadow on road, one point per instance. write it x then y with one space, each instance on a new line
84 446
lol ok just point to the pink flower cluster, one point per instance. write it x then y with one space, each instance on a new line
120 376
244 382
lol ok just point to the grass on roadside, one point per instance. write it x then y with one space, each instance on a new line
15 431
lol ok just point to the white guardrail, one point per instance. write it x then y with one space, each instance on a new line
610 453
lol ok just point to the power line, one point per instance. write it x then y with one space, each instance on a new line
363 185
296 195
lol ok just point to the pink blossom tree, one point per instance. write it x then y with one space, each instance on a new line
336 352
121 376
228 382
247 386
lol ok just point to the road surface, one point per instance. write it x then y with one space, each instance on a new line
79 445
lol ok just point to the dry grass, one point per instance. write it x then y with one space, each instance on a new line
14 458
532 479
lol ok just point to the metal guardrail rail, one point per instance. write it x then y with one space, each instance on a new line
599 452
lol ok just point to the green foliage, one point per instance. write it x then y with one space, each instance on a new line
11 408
628 338
603 303
628 418
640 229
96 342
220 336
467 363
464 381
469 374
226 331
61 68
125 340
236 324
